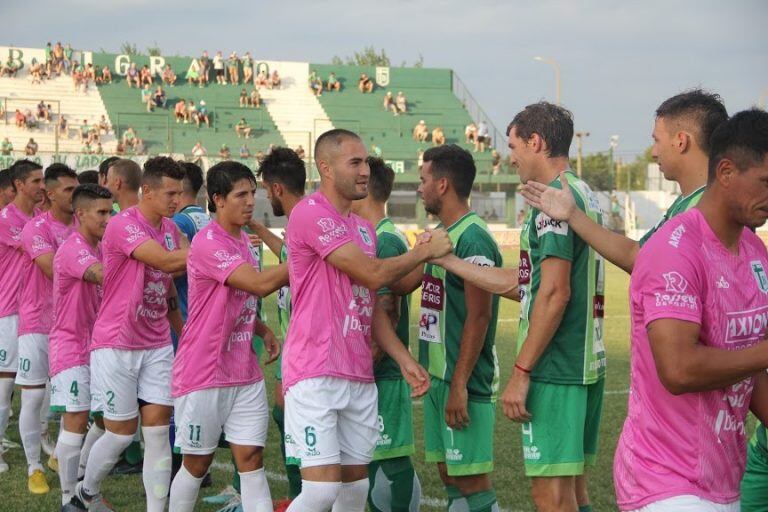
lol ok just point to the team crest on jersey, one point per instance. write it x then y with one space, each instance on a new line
365 235
759 272
254 252
169 243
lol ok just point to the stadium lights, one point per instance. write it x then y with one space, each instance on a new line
556 66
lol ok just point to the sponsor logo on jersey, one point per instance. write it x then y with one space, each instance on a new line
746 326
546 224
675 283
480 261
524 270
134 233
722 283
676 286
676 236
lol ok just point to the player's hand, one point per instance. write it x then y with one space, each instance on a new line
271 345
424 237
515 395
558 204
376 352
255 239
416 377
439 243
456 414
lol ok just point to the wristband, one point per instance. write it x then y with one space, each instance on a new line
522 368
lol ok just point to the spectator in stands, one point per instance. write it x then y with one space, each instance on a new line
376 151
483 138
132 76
139 146
205 68
86 149
244 151
247 63
31 148
300 152
120 148
262 80
198 152
91 176
242 129
90 74
19 118
389 102
218 68
274 80
68 61
169 77
260 156
36 72
58 58
63 127
31 120
146 98
202 115
333 83
315 84
6 148
159 98
438 137
420 132
234 75
243 98
44 112
180 111
105 77
401 103
145 76
255 99
98 150
93 134
78 79
224 152
470 133
85 131
48 59
129 138
495 161
103 125
10 67
365 84
191 112
194 77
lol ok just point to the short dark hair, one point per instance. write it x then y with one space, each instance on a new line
222 177
382 179
743 139
284 166
193 177
5 178
56 171
129 171
91 176
106 164
159 167
335 137
87 192
703 110
455 163
21 169
553 123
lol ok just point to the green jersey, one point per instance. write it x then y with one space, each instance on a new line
760 438
390 243
681 204
444 311
284 298
576 354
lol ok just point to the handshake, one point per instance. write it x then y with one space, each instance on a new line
435 244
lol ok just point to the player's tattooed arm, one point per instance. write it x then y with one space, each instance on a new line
390 303
94 274
45 263
174 313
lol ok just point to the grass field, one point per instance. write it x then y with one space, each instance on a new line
126 492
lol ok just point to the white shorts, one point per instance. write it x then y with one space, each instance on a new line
71 390
241 412
331 421
689 503
9 344
33 360
120 378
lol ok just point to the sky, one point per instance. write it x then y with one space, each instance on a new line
619 59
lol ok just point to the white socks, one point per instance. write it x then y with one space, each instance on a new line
6 392
315 496
184 491
157 466
352 497
255 491
93 435
102 459
29 425
68 453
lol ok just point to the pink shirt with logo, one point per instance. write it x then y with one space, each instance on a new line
134 308
693 443
215 346
75 304
12 257
41 235
330 329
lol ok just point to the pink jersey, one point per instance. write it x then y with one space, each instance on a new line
693 443
12 221
215 347
41 235
133 312
75 303
330 330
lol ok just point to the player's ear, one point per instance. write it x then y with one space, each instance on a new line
535 142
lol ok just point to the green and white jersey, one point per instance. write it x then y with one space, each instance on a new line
760 438
576 354
444 311
680 205
390 243
284 298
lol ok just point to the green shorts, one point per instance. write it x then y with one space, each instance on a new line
754 485
468 451
563 432
395 420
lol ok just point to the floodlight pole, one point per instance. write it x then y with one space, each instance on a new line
556 67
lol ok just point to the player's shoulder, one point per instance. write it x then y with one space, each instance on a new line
683 231
35 225
755 244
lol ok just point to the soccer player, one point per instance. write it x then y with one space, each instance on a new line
330 395
104 169
699 302
40 239
457 331
124 181
217 382
27 179
683 126
77 276
394 485
7 193
754 485
131 351
284 176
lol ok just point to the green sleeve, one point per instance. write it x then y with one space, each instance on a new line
477 246
388 246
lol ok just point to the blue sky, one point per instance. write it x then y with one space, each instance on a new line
619 59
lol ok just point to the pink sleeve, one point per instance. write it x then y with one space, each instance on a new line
77 262
127 234
319 230
215 260
34 240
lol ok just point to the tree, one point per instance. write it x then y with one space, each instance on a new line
154 51
128 48
367 57
636 172
596 171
